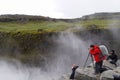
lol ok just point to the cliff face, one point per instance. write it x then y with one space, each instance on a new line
29 48
39 48
31 39
106 37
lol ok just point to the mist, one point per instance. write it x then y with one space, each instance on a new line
14 70
71 48
113 27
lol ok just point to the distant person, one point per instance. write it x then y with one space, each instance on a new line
98 57
74 67
113 57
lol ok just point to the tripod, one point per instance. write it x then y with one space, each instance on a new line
87 60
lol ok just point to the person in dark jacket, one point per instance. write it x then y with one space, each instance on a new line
113 57
98 57
74 67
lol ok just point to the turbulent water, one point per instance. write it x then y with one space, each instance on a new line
71 49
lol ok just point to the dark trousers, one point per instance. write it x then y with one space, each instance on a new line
98 67
73 72
113 62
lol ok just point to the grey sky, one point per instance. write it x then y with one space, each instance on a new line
58 8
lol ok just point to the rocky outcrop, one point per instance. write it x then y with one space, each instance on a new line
87 73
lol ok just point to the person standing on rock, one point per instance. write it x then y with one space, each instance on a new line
95 52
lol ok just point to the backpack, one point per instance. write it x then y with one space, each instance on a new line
104 50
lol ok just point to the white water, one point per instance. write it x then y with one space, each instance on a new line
13 70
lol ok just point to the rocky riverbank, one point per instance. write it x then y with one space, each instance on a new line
87 73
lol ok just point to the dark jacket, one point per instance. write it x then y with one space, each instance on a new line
113 56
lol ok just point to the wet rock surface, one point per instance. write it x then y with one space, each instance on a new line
87 73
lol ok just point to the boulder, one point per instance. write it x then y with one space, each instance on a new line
107 75
87 73
108 65
117 70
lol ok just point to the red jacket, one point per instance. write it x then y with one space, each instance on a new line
97 54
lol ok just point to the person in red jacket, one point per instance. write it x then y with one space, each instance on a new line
98 57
